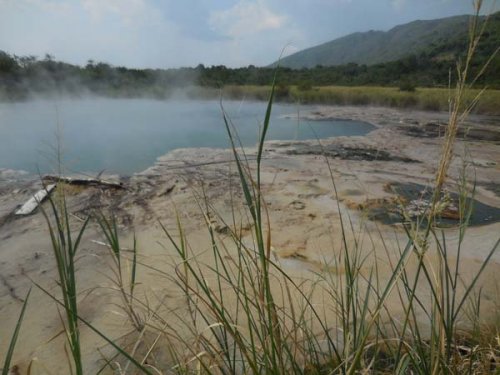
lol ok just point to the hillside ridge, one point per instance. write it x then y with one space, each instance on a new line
374 47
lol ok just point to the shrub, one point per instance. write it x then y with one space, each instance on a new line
305 86
407 85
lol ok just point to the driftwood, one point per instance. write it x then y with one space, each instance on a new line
35 200
84 181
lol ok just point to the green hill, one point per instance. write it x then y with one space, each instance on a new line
444 38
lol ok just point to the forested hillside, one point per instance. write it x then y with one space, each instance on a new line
443 38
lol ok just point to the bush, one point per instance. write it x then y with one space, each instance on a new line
407 85
305 86
282 91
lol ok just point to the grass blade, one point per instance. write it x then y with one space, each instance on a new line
13 340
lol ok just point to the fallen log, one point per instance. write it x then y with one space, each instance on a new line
35 200
84 181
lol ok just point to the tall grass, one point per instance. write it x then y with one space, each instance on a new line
423 98
449 293
65 248
286 332
125 287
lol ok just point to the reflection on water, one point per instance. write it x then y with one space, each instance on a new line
127 135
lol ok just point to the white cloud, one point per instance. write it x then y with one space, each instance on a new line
60 7
398 4
245 18
55 6
143 33
129 11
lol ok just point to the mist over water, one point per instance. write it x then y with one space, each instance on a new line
127 135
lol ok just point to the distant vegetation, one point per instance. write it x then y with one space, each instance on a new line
432 50
428 99
21 77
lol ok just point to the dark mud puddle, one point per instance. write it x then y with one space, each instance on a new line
411 201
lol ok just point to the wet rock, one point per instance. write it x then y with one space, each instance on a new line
385 209
484 163
438 129
222 229
298 205
166 191
420 207
347 153
11 174
493 187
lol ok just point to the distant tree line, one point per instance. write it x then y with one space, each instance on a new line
21 77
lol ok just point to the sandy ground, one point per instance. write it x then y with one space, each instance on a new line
303 209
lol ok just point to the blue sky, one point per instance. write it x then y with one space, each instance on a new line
173 33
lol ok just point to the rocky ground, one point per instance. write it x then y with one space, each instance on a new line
307 186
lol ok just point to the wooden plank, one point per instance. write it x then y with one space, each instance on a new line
35 200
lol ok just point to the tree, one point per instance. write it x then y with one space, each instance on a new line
8 64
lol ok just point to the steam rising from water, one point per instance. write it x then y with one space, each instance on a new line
127 135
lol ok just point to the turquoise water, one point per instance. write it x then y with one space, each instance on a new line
127 135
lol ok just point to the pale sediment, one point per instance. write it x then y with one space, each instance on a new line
298 191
